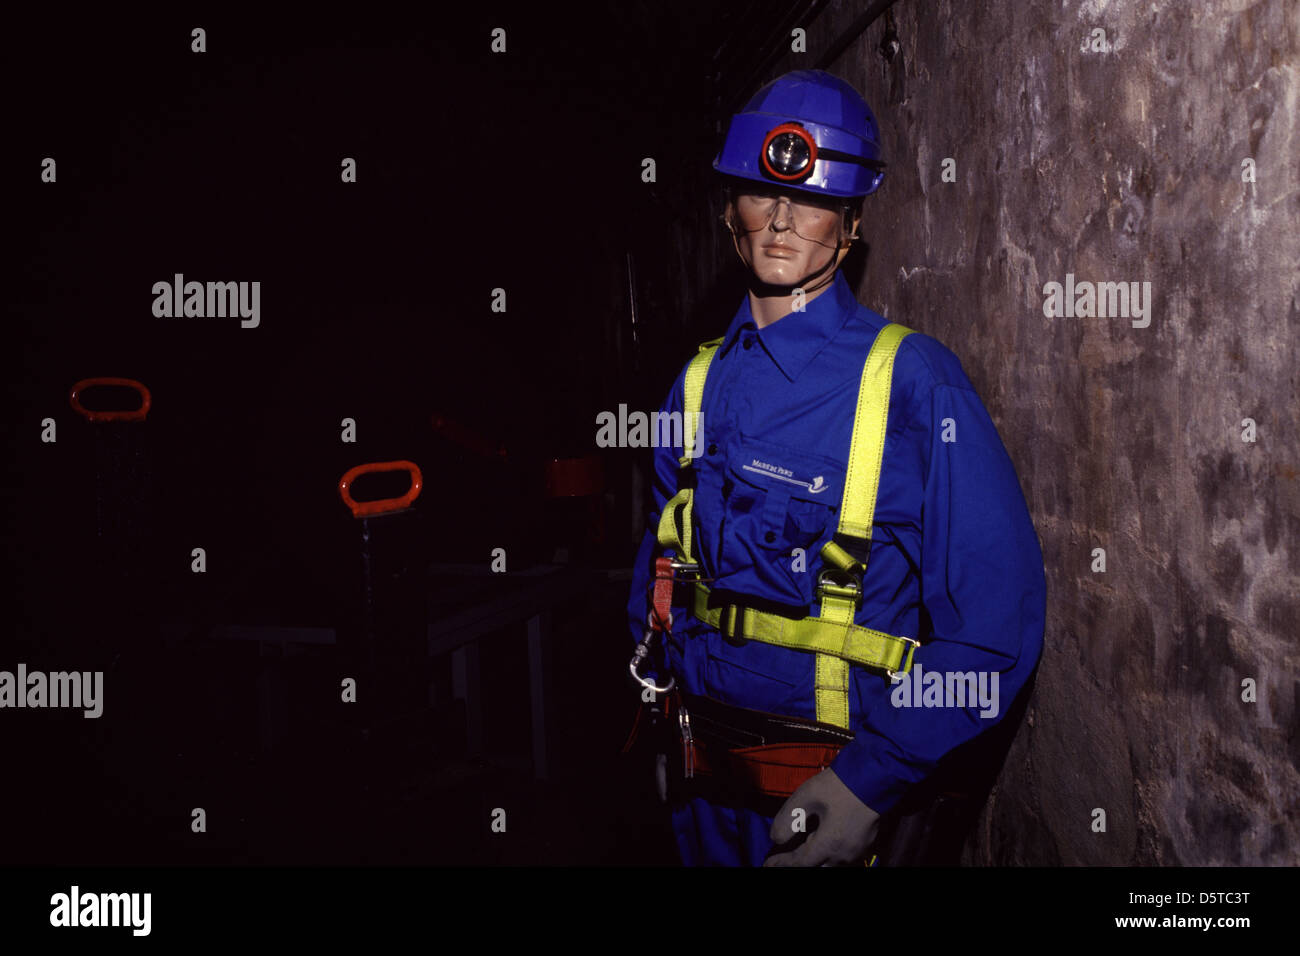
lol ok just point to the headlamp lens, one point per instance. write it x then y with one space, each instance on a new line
788 154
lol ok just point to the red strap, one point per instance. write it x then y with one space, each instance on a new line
777 770
632 734
640 715
663 597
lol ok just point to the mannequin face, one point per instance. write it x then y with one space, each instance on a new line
783 243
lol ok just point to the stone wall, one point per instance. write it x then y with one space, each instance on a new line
1108 142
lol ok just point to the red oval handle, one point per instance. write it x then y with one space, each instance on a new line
136 415
367 509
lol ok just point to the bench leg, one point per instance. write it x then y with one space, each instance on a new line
539 678
465 687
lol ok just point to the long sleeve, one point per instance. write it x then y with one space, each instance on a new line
983 587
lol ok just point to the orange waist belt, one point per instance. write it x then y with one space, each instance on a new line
775 770
771 754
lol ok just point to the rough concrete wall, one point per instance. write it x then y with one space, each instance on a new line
1119 160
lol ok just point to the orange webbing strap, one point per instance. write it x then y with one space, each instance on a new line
775 770
660 618
661 608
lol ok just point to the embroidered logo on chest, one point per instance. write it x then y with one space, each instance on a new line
815 485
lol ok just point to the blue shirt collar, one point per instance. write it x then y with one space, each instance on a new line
796 338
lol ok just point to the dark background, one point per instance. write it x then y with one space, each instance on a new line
1119 163
474 171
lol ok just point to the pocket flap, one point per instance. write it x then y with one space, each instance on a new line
792 472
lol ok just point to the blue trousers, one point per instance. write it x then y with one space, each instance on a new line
712 835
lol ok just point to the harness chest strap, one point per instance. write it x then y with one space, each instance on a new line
832 636
848 642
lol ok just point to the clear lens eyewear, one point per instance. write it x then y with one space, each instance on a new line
808 220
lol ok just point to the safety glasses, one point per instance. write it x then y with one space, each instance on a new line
812 219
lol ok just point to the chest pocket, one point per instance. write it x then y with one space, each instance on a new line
779 502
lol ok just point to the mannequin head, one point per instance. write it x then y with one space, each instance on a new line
788 238
797 162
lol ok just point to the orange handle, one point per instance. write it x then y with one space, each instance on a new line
146 400
367 509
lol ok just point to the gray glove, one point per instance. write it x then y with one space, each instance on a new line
846 826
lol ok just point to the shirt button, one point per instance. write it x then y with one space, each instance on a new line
713 449
770 537
749 344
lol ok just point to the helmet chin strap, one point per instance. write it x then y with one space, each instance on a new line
831 264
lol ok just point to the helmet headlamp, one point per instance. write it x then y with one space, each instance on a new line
789 153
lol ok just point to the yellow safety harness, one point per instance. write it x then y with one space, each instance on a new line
831 635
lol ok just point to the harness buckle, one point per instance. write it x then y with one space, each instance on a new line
832 582
895 675
685 567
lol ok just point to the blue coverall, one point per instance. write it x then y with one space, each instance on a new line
951 531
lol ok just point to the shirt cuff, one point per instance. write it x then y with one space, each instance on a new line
871 773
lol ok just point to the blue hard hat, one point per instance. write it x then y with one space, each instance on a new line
807 130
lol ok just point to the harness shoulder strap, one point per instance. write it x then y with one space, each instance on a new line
840 584
674 529
832 636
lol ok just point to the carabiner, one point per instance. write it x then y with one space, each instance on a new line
638 656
